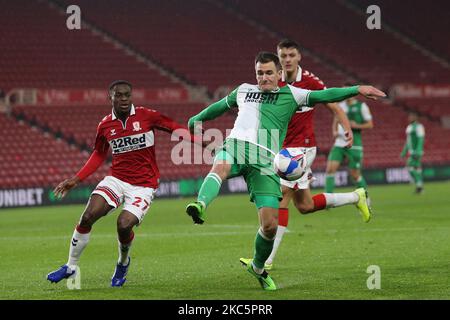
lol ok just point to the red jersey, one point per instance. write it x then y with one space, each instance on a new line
133 144
300 131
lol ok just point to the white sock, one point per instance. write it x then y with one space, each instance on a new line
278 237
78 242
341 199
257 270
124 251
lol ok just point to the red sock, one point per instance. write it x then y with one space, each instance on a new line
283 217
128 240
83 229
320 202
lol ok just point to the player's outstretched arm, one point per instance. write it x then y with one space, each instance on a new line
209 113
339 94
165 123
94 162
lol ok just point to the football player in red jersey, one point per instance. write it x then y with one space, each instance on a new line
132 181
300 135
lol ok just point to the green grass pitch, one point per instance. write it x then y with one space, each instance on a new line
324 256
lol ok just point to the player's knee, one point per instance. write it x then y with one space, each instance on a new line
354 175
304 208
88 218
287 193
221 169
330 170
221 173
269 228
124 225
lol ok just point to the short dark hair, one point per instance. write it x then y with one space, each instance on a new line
117 82
266 57
288 43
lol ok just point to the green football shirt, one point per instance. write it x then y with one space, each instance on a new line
415 134
358 112
263 117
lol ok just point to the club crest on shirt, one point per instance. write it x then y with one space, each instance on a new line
136 126
113 132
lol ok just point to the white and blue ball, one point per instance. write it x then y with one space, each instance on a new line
290 164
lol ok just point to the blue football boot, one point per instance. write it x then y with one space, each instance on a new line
62 273
120 273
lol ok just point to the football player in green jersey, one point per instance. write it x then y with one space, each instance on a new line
264 112
415 136
360 119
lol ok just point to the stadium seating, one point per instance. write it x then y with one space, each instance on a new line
38 51
383 144
433 21
210 46
435 108
342 38
31 158
338 40
80 127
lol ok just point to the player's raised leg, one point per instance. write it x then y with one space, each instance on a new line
210 188
305 203
97 207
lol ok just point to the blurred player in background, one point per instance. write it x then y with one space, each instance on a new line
133 178
300 135
415 136
360 119
258 133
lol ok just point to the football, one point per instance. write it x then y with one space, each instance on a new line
290 164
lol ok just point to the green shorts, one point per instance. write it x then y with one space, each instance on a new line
414 161
254 164
354 156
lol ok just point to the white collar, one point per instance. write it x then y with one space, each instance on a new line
297 79
132 112
272 91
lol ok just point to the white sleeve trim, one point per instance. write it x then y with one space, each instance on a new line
226 101
301 96
367 116
420 131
